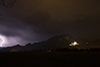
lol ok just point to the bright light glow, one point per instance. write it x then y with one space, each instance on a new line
2 41
49 50
74 44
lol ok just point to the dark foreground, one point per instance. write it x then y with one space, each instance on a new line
53 59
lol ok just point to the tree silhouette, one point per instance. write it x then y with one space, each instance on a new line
6 4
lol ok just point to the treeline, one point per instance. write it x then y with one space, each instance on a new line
78 50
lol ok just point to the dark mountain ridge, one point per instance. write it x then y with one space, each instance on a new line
59 41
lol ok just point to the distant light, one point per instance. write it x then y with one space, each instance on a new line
49 51
74 44
87 43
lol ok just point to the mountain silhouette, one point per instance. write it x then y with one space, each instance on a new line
59 41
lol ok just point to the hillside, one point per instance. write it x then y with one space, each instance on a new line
59 41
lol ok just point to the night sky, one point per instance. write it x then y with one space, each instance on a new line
37 20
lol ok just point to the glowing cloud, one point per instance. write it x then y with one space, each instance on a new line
2 41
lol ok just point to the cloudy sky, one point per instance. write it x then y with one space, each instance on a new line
37 20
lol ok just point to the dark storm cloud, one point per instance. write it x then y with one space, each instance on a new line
58 15
66 12
19 32
40 19
8 24
15 28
